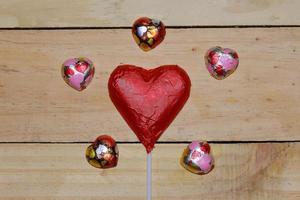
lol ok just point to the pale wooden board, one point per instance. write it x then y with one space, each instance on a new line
260 101
101 13
243 171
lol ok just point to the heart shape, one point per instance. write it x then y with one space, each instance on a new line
149 100
78 72
82 66
221 62
148 33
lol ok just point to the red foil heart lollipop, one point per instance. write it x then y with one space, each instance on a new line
149 100
148 33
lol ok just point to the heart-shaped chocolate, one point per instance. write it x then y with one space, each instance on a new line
148 33
103 153
149 100
78 72
197 158
221 62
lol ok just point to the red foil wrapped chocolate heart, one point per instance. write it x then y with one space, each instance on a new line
103 153
148 33
149 100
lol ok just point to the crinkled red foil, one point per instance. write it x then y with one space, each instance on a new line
149 100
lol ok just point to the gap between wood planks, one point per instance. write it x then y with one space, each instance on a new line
166 142
168 27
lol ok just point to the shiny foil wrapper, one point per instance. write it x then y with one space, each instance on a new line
78 72
197 158
103 152
149 100
148 33
221 62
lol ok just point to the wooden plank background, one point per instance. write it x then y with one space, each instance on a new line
253 116
261 98
59 171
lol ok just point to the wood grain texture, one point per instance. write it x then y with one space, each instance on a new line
243 171
115 13
260 101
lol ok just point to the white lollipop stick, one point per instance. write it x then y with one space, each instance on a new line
149 176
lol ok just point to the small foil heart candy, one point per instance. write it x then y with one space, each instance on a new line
197 158
148 33
78 72
103 152
221 62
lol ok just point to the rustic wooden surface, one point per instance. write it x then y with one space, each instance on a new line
259 102
95 13
59 171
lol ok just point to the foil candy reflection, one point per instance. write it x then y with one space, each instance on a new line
197 158
148 33
78 72
221 62
103 153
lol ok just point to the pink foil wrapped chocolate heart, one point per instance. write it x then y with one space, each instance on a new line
197 158
221 62
78 72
